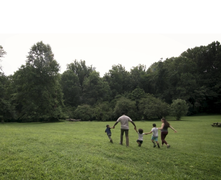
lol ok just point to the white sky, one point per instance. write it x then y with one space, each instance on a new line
106 33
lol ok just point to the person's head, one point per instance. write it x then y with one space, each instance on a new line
163 120
154 125
107 126
140 131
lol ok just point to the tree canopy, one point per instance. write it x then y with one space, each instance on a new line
36 91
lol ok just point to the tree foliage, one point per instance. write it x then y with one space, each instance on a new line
36 91
102 111
38 94
118 79
178 108
151 107
7 111
125 105
84 112
71 89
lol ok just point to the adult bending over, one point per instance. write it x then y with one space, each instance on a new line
164 131
124 127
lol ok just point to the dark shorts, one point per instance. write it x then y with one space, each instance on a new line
140 141
109 136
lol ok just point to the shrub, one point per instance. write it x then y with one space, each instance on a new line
178 108
127 106
151 107
102 112
83 112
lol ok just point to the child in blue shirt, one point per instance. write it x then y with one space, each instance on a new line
108 131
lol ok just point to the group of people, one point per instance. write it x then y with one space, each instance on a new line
124 120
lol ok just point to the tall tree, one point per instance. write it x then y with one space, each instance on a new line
95 89
208 61
6 106
138 74
80 72
38 91
71 89
119 80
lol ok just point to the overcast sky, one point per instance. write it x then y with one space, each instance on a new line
106 33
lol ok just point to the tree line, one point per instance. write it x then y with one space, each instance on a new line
188 84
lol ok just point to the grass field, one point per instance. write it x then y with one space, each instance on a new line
81 150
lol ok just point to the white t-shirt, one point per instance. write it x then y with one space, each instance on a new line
124 121
155 131
140 136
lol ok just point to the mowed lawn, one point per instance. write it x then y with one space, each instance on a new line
81 150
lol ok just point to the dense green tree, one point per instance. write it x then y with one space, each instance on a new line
127 106
178 108
157 79
151 107
81 70
36 90
208 68
71 89
137 94
186 86
137 77
82 85
102 111
38 93
95 89
182 79
6 107
84 112
118 79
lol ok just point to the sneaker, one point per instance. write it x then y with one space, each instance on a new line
111 141
154 145
168 146
158 146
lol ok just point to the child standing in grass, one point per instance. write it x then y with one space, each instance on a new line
154 137
140 136
108 131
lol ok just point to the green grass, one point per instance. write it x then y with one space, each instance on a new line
81 150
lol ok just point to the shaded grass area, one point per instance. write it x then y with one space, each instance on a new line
81 150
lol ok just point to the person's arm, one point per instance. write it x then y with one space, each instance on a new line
134 125
148 133
161 127
173 129
114 125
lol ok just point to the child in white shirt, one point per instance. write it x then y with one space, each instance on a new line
154 137
140 136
